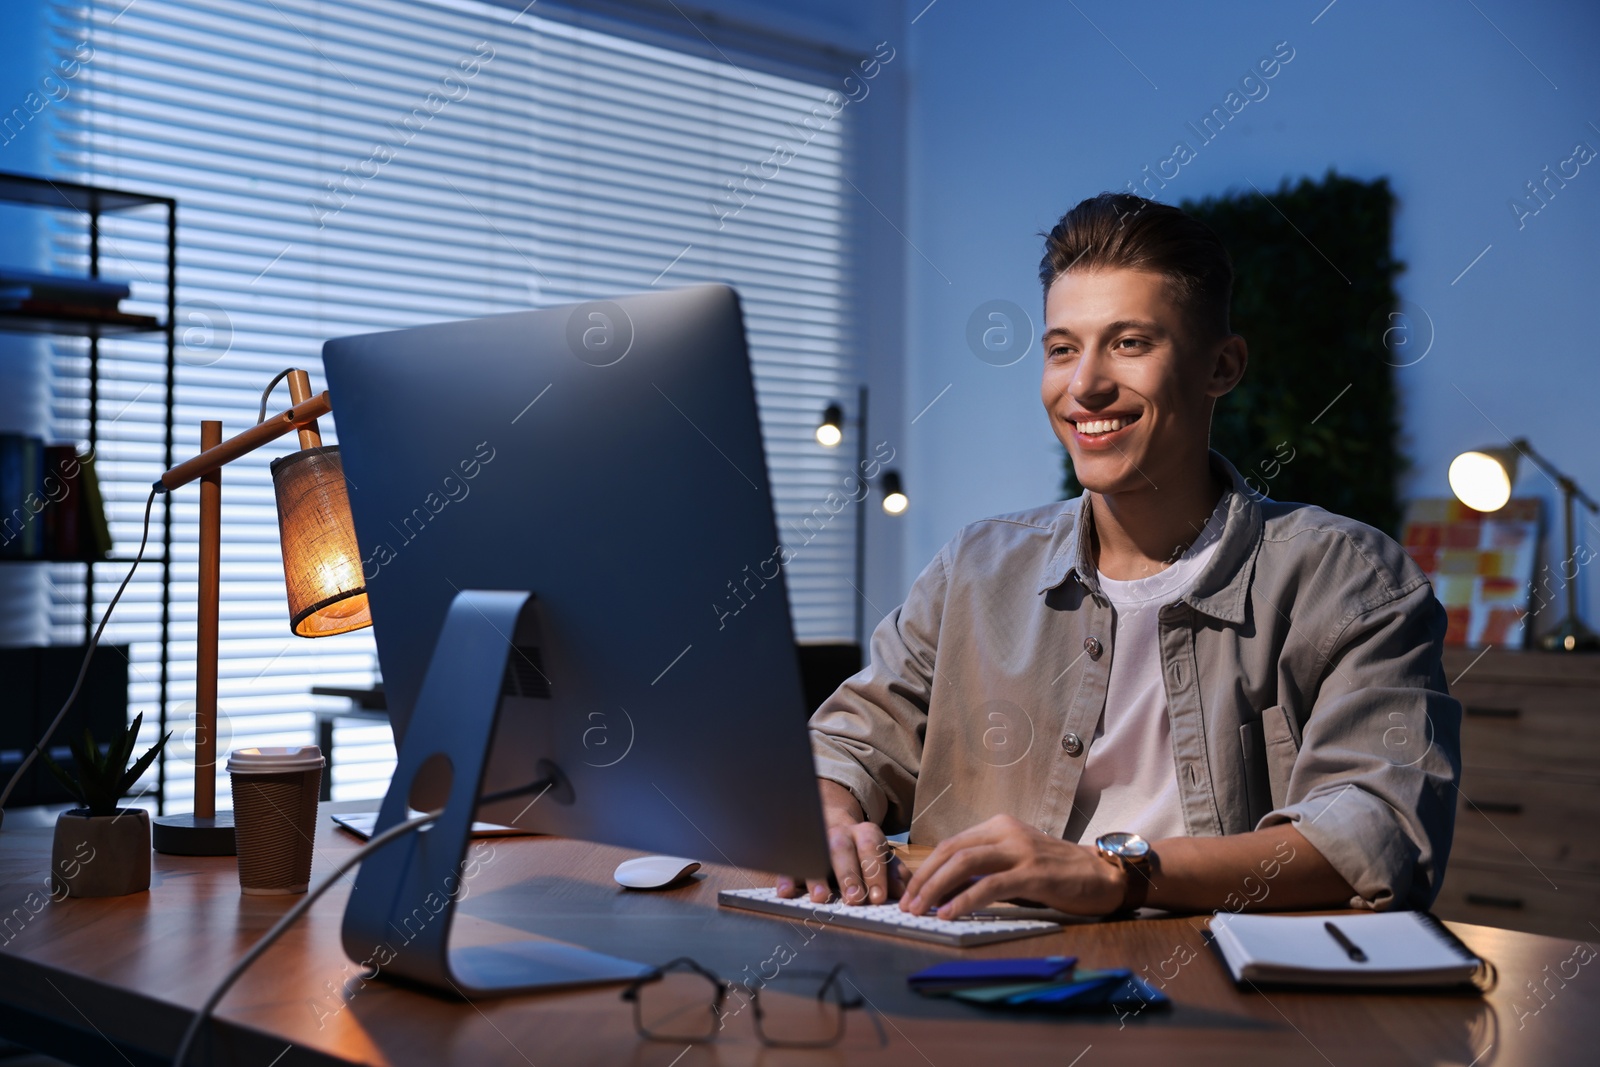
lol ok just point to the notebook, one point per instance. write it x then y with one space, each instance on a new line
1400 948
362 823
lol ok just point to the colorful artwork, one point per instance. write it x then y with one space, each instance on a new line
1480 564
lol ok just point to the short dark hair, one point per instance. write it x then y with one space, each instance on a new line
1120 230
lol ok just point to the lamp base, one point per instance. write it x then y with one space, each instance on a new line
191 835
1570 635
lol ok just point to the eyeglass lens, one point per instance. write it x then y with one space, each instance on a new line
798 1010
681 1006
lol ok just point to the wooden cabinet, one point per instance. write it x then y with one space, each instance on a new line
1527 844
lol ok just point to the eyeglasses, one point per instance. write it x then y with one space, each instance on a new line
683 1001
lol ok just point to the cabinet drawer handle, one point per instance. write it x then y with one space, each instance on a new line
1484 900
1496 807
1481 712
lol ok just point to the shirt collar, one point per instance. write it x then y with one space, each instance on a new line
1220 590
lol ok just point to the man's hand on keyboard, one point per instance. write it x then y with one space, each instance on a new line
864 865
1004 858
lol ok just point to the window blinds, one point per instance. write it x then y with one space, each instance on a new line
345 166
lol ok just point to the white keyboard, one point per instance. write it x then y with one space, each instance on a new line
889 919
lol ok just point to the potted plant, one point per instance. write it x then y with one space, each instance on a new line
102 850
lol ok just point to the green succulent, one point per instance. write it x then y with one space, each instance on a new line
104 780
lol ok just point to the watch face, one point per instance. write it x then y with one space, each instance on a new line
1128 846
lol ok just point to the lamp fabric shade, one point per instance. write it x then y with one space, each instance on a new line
321 560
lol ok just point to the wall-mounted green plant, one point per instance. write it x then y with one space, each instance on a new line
103 780
1315 418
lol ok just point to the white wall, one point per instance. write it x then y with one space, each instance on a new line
1020 110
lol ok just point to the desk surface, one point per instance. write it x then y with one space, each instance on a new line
78 975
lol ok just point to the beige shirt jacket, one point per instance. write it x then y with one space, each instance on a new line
1303 679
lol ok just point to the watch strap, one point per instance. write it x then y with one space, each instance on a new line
1137 889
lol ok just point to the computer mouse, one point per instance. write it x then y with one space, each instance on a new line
653 872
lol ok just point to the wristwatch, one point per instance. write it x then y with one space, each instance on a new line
1133 854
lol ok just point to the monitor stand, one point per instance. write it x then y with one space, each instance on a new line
399 915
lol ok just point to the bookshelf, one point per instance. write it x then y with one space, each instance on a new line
91 202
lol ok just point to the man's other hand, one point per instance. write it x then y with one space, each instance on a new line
1004 858
866 868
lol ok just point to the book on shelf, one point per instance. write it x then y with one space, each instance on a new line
96 531
21 476
51 507
26 293
54 309
22 285
63 515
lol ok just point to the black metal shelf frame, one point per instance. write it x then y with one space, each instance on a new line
95 201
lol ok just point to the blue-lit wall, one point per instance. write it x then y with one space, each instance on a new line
25 100
1018 110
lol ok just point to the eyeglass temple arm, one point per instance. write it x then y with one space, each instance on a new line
835 978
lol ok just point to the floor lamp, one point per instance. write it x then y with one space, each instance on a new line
322 572
830 431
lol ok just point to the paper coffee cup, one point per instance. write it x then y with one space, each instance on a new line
275 793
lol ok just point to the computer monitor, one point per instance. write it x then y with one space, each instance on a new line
606 457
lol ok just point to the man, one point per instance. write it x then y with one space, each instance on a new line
1253 688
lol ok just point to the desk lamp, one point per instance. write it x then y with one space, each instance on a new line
321 566
1482 479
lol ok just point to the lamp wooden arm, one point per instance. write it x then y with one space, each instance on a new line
302 416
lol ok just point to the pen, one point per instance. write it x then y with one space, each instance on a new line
1350 947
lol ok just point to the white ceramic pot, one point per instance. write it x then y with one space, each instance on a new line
101 855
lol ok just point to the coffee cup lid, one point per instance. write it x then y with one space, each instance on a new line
275 759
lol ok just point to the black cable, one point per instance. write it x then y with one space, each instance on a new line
83 671
540 786
288 920
267 392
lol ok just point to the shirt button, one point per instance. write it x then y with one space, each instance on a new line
1092 646
1072 744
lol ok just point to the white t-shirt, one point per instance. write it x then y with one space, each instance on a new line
1130 782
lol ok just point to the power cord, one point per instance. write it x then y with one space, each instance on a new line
83 671
267 392
552 778
288 919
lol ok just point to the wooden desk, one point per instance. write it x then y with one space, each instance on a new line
80 975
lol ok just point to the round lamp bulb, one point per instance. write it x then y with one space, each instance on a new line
895 503
1479 481
829 435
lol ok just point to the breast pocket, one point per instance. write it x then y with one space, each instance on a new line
1270 747
1282 749
1257 790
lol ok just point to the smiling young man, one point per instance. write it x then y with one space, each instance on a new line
1169 692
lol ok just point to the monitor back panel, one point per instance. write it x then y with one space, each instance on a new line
626 487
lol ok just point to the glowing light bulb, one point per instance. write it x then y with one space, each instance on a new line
1480 481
